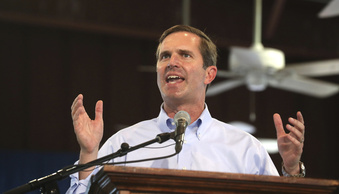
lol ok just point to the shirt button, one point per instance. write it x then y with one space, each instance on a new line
184 168
185 141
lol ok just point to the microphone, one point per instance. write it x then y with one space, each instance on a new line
182 119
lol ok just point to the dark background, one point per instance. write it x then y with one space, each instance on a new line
50 51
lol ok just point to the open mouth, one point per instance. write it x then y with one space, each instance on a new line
174 78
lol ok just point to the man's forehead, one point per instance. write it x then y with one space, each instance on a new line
182 34
181 40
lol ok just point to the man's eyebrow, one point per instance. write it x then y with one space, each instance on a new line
164 53
180 51
184 51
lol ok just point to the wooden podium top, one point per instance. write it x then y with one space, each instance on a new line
152 180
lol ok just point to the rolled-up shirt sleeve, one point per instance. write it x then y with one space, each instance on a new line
80 186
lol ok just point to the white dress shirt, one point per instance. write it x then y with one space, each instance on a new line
210 145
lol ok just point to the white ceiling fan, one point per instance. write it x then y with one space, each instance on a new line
259 67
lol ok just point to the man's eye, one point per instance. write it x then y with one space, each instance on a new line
186 55
165 56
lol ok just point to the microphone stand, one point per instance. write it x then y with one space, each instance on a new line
48 183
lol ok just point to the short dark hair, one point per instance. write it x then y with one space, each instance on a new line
207 48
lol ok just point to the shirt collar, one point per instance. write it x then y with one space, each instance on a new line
205 121
166 124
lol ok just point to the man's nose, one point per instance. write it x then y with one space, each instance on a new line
174 61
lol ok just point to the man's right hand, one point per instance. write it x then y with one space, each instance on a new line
88 132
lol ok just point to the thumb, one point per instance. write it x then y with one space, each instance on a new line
278 125
99 110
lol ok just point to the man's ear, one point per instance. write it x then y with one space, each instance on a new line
211 73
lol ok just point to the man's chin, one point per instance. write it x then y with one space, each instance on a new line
172 96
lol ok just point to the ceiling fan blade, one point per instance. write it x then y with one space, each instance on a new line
316 68
224 86
227 74
330 10
303 85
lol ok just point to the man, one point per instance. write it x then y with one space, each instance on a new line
186 65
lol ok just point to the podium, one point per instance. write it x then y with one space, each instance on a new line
128 180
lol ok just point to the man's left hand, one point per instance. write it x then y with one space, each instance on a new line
290 144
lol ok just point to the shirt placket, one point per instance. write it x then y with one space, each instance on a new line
185 156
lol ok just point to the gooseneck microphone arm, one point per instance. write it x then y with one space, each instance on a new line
48 184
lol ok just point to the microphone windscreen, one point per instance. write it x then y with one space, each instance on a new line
182 115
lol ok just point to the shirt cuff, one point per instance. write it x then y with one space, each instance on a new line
80 186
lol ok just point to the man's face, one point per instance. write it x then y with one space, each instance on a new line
180 72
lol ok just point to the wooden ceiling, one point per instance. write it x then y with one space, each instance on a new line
290 25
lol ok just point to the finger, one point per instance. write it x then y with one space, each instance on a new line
278 125
80 96
297 124
78 102
79 112
300 117
295 133
294 140
99 110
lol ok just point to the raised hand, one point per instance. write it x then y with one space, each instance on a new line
88 132
290 144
